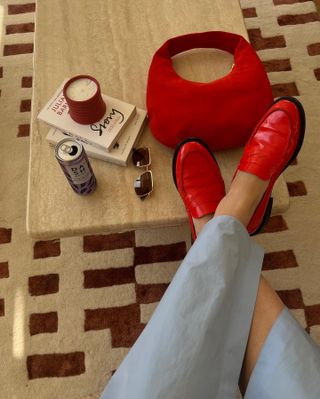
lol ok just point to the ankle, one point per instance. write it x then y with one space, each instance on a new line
235 205
243 197
199 223
248 189
249 184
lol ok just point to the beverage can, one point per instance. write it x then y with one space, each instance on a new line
74 162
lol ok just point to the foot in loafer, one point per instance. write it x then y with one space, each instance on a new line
273 145
198 179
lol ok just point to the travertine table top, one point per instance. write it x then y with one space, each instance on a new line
114 41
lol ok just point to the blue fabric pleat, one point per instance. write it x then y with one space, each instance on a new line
194 344
288 365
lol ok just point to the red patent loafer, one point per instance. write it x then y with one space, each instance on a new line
198 179
273 145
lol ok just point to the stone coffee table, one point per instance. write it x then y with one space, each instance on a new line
114 41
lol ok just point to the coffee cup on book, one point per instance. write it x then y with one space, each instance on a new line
83 96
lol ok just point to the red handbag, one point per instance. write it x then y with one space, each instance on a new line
223 112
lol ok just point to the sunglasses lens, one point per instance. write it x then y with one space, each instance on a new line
143 184
141 156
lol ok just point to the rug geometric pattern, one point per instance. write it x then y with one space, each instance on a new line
71 308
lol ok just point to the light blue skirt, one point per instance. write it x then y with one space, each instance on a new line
194 344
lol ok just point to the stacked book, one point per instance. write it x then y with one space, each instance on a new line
110 139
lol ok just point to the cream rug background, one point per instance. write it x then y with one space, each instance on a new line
71 308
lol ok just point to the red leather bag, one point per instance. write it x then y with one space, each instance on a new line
222 112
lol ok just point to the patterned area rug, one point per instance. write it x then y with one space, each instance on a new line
70 309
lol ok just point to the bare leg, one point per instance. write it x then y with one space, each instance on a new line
199 223
245 193
243 197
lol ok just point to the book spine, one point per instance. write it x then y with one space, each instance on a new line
53 141
83 140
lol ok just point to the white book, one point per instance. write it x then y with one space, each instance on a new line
122 148
102 134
